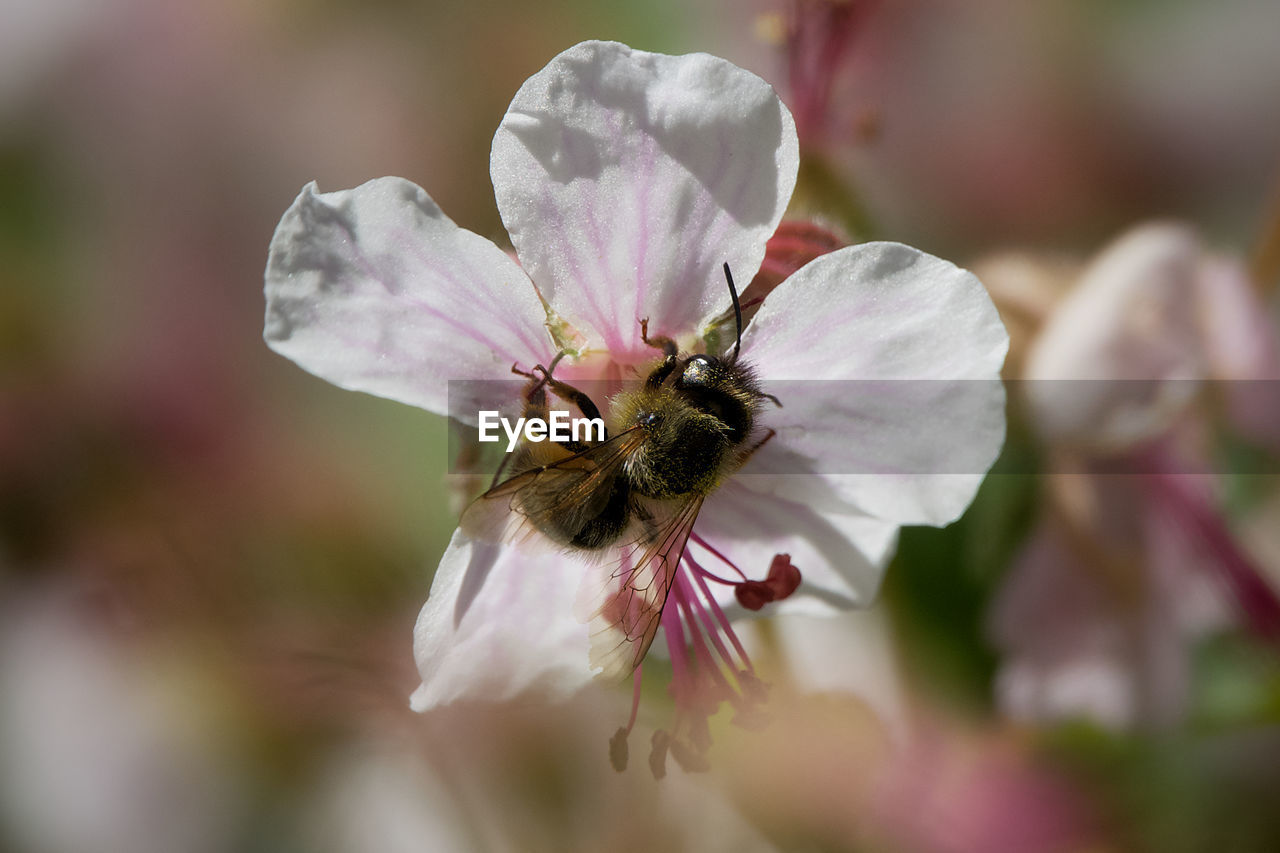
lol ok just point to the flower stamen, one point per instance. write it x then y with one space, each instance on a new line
618 751
709 664
713 626
693 536
782 580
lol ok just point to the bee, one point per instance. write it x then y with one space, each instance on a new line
629 501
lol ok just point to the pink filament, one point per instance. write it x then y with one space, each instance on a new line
635 698
700 649
696 538
1254 595
700 575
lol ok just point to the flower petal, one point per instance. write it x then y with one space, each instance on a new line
1127 340
1243 348
1063 645
627 179
1240 339
851 653
907 414
499 623
841 557
376 290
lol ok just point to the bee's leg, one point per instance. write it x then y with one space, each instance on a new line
535 395
662 342
568 393
669 349
536 400
535 406
750 451
771 399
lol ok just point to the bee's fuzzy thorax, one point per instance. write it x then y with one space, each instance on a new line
685 448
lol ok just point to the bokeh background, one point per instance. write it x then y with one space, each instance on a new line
210 562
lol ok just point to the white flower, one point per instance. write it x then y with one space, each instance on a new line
626 181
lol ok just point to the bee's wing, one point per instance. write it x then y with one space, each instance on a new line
565 495
623 600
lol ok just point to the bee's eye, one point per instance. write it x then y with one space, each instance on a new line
649 419
697 371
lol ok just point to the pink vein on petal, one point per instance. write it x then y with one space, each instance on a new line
646 168
371 271
575 261
497 309
571 246
608 325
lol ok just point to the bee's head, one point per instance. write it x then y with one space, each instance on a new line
704 373
722 388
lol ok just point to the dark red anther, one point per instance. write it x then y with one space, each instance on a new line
690 758
753 595
618 752
658 756
755 690
782 580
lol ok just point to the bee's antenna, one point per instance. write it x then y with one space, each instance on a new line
737 312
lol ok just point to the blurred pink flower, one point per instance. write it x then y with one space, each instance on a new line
955 793
826 776
1096 623
1133 561
817 38
626 180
